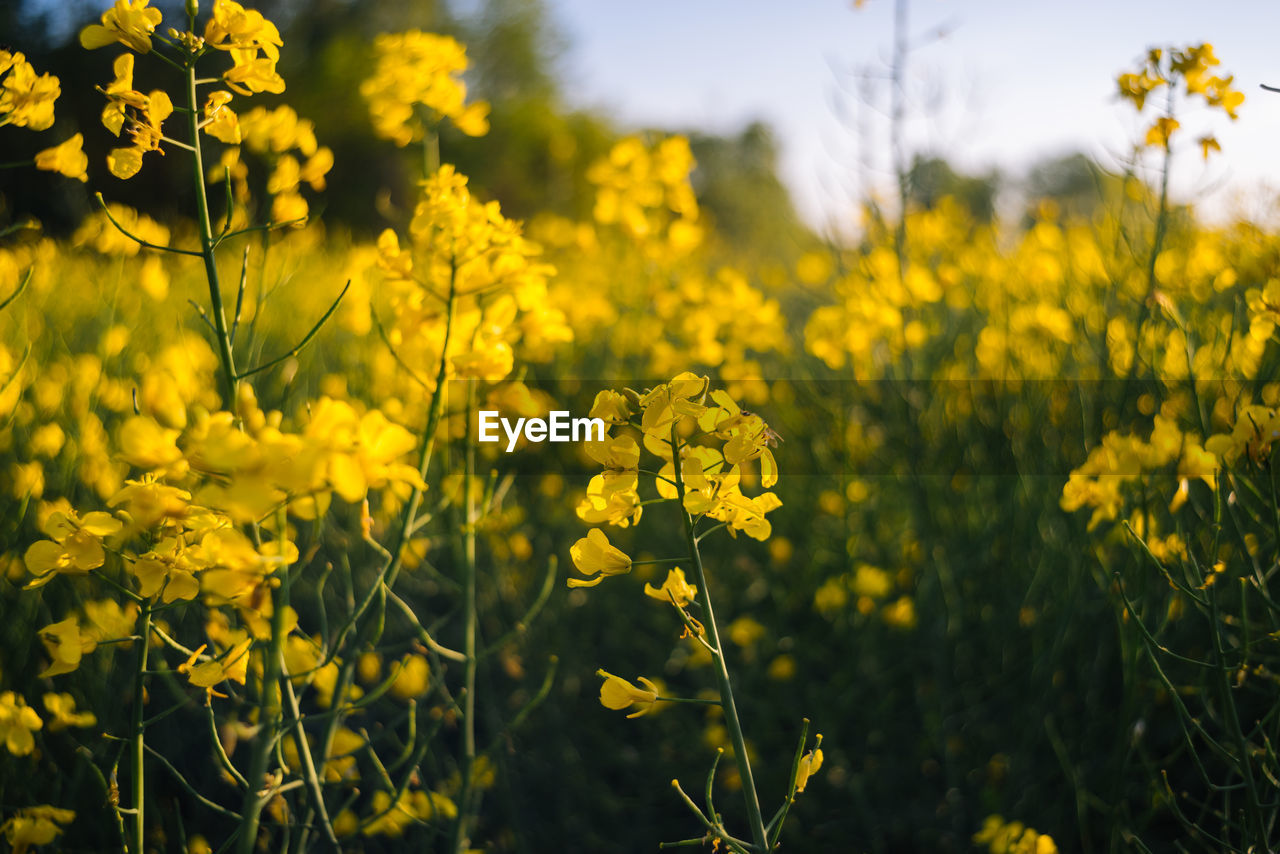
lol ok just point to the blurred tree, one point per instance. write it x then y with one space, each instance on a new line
739 191
931 178
515 46
1072 181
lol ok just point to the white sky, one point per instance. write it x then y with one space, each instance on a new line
1014 81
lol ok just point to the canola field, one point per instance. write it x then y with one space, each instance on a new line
956 535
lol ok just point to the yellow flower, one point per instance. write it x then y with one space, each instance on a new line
612 498
1160 131
144 126
617 693
612 407
148 502
145 444
675 588
1013 838
235 28
413 679
252 74
129 22
26 100
615 453
67 159
416 69
17 722
809 765
219 120
289 208
232 665
594 555
35 826
316 167
285 177
66 645
63 709
671 401
76 547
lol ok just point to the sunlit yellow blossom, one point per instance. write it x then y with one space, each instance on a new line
75 547
617 693
66 159
594 555
220 122
611 407
809 765
645 190
233 27
611 497
1161 130
148 502
26 99
129 22
675 589
416 71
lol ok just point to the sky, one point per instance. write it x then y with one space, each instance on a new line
990 84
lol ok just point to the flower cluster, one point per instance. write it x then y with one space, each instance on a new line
417 83
1165 68
26 100
18 720
468 287
710 477
1123 459
288 143
252 42
1001 837
646 190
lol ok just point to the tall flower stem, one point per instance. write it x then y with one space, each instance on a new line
259 792
408 517
138 745
754 816
461 830
207 243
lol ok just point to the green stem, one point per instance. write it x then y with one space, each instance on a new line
387 578
139 745
1244 754
1157 244
461 834
429 434
756 819
430 154
314 790
207 245
268 719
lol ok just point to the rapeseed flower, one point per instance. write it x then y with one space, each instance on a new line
617 693
17 722
129 22
594 555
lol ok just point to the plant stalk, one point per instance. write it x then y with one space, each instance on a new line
139 744
754 816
